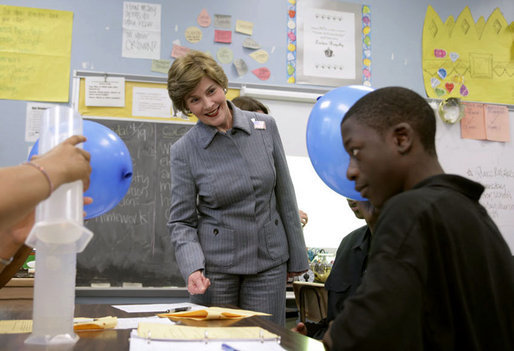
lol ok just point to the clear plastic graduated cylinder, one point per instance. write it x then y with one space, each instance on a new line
58 235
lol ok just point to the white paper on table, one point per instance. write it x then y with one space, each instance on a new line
141 344
161 308
133 323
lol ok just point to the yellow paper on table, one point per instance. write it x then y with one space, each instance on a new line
181 332
212 313
16 326
95 323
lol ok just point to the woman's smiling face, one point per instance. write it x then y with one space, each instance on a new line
208 102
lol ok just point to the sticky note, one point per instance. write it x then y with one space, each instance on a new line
223 21
179 51
244 27
204 20
225 55
260 56
262 73
472 125
223 36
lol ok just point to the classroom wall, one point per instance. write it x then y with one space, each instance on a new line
396 43
396 58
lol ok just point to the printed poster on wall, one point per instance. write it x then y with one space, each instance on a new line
329 47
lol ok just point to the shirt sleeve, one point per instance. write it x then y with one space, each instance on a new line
183 219
287 207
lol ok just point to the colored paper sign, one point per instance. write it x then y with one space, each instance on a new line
225 55
472 125
35 53
249 43
262 73
161 66
223 21
497 122
193 34
241 67
244 27
260 56
223 36
204 20
179 51
479 53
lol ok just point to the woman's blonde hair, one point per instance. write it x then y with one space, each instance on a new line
187 71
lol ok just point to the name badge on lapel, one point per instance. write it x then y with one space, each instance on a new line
259 124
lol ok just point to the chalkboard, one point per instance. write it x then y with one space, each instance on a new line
131 243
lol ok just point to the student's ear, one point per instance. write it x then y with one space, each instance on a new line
403 135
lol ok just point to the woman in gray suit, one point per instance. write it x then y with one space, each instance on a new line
233 219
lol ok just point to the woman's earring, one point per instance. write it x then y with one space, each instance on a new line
224 90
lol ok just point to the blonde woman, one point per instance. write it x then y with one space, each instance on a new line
233 218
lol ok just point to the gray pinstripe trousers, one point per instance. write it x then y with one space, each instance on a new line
262 292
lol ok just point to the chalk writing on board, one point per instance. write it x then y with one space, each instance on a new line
131 243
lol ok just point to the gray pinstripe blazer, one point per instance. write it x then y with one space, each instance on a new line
233 206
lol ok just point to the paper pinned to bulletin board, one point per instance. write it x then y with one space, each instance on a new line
467 59
126 112
35 54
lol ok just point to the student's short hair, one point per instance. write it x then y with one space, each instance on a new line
249 104
385 107
187 71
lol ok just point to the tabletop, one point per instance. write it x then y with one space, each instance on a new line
118 339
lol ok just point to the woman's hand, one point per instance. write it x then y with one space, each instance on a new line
300 328
303 218
197 283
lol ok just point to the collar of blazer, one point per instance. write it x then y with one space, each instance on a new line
241 121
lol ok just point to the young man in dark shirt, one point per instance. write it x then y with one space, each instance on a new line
440 275
347 270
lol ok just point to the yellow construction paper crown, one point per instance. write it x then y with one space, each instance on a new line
468 60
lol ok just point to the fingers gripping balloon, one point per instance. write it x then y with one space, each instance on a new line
111 165
324 141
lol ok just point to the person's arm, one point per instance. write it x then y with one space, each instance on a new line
386 310
183 221
287 208
24 186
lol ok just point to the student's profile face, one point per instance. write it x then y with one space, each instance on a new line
373 162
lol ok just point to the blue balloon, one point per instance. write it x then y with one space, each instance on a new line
324 141
111 165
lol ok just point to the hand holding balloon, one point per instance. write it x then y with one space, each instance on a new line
111 165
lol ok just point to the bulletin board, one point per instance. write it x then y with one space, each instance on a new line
125 112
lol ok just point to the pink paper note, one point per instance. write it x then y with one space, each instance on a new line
204 20
262 73
497 126
472 125
223 36
179 51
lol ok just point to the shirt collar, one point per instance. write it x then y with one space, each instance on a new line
363 244
240 121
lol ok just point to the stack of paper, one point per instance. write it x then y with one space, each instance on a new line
181 332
